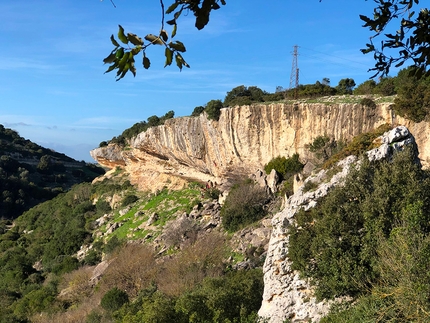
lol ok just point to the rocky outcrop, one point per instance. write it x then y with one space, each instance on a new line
243 140
286 295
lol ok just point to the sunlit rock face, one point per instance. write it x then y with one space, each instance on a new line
243 140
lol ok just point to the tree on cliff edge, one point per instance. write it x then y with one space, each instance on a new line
411 39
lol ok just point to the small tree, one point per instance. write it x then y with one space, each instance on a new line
284 166
114 299
213 109
197 111
345 86
45 165
365 88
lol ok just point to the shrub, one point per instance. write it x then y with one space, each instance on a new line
213 109
112 244
340 243
132 269
309 186
103 144
235 297
114 299
199 260
103 206
284 166
197 111
129 199
66 264
367 102
413 95
94 317
212 193
243 205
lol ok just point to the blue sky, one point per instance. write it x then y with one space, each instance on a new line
53 89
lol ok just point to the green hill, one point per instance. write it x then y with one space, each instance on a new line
31 174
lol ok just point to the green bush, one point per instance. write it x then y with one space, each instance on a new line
413 95
309 186
114 299
197 111
236 297
129 199
243 206
367 102
103 206
284 166
112 244
213 109
340 243
103 144
92 258
212 193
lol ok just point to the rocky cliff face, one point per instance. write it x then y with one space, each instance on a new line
243 140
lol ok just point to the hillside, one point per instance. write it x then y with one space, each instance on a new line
31 174
186 227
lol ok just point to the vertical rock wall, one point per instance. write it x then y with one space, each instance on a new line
245 139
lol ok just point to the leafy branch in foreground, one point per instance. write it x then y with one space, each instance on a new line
411 39
122 58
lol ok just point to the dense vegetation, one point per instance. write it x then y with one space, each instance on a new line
42 280
370 238
31 174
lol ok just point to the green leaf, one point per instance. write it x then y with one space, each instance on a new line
110 59
154 39
174 30
178 61
119 53
172 7
123 72
146 62
122 37
164 35
177 45
111 68
177 14
169 56
171 22
124 60
114 42
133 69
136 50
134 39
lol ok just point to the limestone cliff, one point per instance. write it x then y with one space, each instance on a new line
243 140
